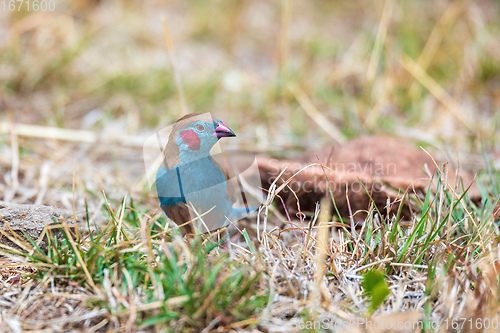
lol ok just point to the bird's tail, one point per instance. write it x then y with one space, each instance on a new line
240 212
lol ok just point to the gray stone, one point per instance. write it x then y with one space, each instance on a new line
30 220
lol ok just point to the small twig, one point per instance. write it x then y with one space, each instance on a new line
67 319
286 14
311 226
379 41
44 181
14 171
321 254
316 115
437 91
65 134
370 265
289 219
171 56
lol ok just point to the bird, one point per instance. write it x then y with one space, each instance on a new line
190 182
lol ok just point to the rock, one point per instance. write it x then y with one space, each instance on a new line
30 220
386 167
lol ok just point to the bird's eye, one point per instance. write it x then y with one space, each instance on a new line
200 127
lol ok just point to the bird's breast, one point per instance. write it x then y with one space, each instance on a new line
201 180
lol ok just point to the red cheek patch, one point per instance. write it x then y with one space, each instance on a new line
190 138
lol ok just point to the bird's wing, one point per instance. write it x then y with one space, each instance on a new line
169 186
231 188
171 195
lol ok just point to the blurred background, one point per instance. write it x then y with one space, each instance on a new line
286 76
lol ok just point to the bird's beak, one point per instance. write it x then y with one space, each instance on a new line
222 131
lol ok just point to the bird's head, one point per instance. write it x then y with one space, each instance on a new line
196 134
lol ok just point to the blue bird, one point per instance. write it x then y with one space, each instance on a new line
190 182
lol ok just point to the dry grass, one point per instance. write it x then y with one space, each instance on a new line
81 87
